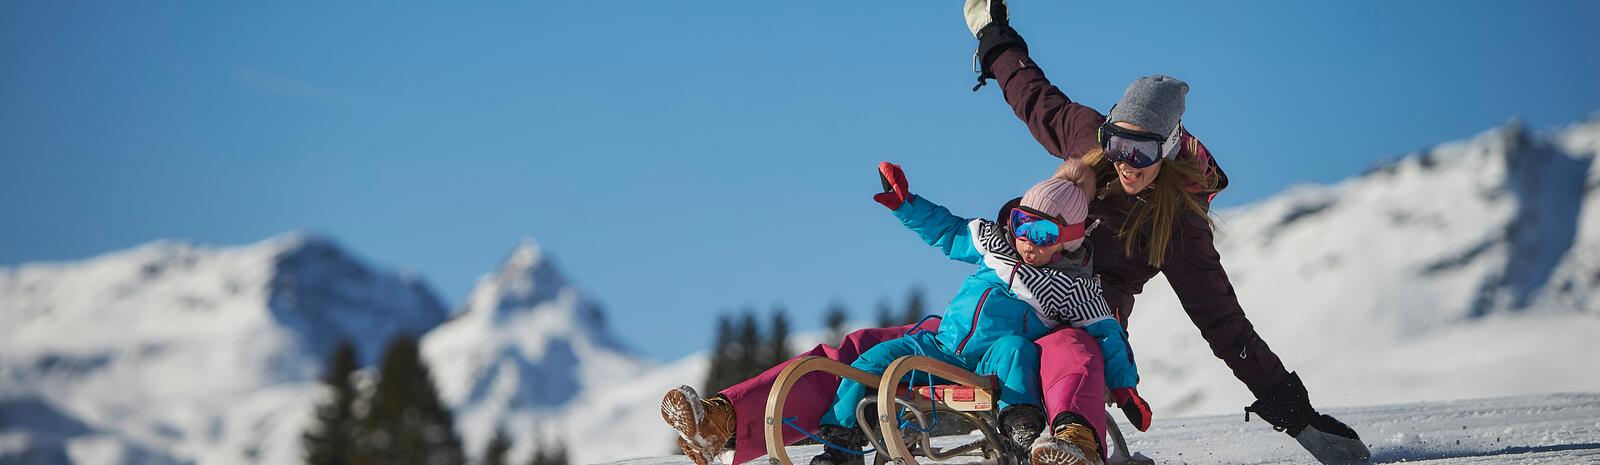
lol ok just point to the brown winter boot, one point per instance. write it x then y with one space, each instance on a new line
704 425
1072 444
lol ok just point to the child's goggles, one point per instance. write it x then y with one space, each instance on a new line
1140 149
1040 229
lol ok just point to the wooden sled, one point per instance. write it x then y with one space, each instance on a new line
970 397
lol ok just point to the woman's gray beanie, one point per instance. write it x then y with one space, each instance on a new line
1153 102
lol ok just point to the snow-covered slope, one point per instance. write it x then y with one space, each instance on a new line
173 352
1545 429
525 349
1470 269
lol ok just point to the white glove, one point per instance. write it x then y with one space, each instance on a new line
981 13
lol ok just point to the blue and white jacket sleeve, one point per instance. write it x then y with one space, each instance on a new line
1120 370
939 228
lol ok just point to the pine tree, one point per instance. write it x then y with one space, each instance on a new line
407 424
332 439
915 309
722 356
777 340
494 453
834 320
885 315
549 454
749 358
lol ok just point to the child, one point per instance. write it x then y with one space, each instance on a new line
1033 275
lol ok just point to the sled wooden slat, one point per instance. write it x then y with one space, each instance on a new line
780 392
888 421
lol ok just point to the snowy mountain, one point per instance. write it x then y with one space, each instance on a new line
176 353
525 348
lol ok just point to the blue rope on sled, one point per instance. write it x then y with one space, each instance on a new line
933 394
917 328
825 443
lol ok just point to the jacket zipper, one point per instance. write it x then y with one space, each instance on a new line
974 328
979 311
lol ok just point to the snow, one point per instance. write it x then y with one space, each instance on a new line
1548 428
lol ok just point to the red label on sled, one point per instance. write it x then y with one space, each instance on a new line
957 397
950 393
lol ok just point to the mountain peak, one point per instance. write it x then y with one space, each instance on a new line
527 278
298 239
526 258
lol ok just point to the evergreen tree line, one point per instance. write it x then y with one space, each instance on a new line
742 349
399 420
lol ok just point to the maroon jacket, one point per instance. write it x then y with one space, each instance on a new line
1068 129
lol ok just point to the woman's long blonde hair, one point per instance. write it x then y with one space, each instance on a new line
1155 212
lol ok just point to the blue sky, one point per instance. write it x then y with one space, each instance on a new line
683 159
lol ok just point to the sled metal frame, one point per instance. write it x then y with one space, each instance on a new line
919 412
892 438
1120 455
888 437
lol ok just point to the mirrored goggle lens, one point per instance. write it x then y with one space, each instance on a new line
1138 153
1040 231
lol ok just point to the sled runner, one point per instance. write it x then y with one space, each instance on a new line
906 415
1119 453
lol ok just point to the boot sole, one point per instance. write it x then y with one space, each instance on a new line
1057 455
682 411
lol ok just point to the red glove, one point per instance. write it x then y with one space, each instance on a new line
895 190
1137 410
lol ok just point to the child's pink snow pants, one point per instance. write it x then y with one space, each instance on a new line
1071 374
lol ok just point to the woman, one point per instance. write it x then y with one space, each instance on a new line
1158 181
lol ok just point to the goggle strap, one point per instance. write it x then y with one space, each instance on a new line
1171 147
1073 232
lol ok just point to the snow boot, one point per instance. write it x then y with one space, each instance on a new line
705 426
1071 442
840 446
1021 425
1288 409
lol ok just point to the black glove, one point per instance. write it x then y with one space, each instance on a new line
990 22
1288 409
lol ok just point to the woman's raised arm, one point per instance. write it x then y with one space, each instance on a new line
1065 128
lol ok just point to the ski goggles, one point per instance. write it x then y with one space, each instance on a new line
1139 149
1041 229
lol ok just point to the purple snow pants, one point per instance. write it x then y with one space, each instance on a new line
1071 374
